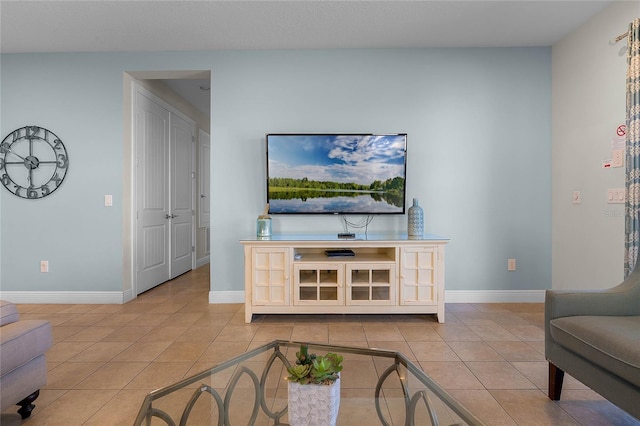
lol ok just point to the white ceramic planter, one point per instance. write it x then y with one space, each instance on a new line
314 405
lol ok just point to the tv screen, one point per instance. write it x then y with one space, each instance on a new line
336 173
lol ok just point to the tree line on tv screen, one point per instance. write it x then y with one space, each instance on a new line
392 185
390 191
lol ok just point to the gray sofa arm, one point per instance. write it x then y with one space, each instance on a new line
621 300
8 313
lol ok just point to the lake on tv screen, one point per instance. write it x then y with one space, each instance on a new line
363 204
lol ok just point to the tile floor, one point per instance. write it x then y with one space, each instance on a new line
106 358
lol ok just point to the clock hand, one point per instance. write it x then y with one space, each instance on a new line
17 155
29 160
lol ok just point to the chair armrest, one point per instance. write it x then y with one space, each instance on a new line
8 313
621 300
23 341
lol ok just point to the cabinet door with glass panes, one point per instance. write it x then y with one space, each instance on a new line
318 284
371 284
270 276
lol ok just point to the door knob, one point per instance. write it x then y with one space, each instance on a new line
174 215
167 216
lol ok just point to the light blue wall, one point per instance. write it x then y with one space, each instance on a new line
588 239
478 120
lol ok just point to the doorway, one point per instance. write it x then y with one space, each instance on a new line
163 182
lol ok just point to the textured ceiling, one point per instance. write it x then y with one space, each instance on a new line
134 26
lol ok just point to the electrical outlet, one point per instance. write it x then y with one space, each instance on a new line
511 264
618 158
44 266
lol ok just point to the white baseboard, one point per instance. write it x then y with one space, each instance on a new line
220 297
128 295
202 261
451 296
494 296
67 297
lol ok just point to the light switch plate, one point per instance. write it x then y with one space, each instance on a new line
108 200
616 196
577 197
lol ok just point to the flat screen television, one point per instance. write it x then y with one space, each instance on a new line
336 173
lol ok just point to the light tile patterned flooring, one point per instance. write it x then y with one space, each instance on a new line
106 358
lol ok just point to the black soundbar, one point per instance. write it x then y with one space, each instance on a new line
339 253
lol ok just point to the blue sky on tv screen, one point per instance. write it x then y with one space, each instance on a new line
337 158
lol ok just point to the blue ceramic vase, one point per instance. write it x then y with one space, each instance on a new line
416 220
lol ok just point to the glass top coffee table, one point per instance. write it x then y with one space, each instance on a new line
377 387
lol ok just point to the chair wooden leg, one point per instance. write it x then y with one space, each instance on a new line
556 376
26 405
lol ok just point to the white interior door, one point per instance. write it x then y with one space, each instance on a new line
152 193
165 185
182 185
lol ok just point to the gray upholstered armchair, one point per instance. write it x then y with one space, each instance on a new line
595 337
23 370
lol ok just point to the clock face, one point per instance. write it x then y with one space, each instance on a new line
33 162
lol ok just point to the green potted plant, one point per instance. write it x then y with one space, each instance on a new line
314 388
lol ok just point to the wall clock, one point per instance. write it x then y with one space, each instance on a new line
33 162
